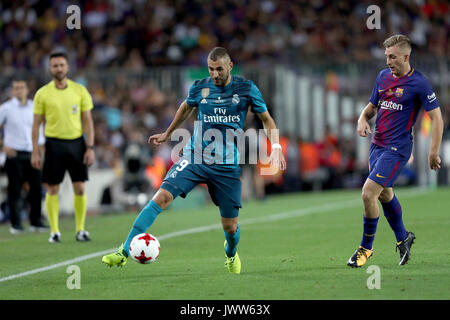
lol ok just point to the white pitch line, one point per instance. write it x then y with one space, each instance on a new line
274 217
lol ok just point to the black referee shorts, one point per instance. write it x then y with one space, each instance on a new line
62 155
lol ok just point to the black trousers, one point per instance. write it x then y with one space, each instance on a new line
19 170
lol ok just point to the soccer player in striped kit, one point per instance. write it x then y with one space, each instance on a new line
399 93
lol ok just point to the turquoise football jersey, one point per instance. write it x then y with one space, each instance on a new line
220 121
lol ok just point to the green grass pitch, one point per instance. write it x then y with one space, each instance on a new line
292 247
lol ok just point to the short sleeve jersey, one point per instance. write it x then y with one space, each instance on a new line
399 101
62 109
220 121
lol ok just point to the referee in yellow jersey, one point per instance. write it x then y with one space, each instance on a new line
65 106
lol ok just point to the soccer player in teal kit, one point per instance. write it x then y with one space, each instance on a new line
397 97
222 101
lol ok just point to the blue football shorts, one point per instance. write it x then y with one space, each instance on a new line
385 165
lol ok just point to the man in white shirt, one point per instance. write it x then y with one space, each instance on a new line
16 118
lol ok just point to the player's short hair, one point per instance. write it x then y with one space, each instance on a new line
403 42
58 54
218 53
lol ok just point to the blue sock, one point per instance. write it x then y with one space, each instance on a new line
142 223
370 228
393 213
232 242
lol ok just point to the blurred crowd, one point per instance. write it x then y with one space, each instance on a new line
137 34
126 113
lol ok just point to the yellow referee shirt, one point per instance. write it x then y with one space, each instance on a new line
62 109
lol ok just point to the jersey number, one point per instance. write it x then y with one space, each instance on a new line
182 165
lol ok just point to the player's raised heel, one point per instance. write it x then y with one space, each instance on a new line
405 248
117 258
359 257
234 263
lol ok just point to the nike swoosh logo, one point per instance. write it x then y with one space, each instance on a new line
404 256
381 90
379 176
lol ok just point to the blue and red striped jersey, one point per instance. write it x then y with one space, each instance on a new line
399 101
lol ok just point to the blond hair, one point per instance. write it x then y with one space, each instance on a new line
403 42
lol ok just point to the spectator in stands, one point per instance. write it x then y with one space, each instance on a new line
120 33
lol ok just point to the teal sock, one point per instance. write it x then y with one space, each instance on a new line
232 242
142 223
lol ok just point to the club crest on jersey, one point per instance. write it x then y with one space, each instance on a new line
399 92
205 93
235 99
74 109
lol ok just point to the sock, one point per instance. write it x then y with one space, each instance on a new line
232 242
142 223
79 205
370 228
52 207
393 213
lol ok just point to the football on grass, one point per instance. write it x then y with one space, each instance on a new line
144 248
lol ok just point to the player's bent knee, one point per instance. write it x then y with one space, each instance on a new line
368 195
386 195
371 191
229 224
163 198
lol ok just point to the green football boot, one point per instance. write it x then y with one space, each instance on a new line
117 258
234 263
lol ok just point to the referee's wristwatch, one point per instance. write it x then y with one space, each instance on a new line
90 147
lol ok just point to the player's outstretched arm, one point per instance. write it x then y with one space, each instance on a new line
276 156
436 138
183 112
363 127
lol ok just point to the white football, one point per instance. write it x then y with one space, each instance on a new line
144 248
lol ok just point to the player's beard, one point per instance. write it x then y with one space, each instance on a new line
221 81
